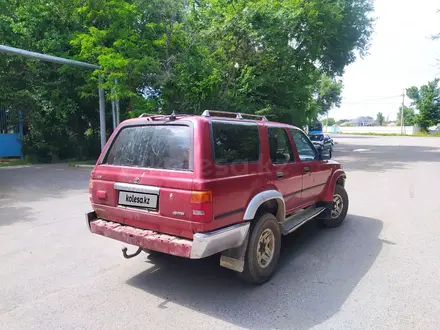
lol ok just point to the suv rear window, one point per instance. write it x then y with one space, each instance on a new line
316 137
152 146
235 142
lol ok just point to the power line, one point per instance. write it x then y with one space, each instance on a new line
372 103
368 101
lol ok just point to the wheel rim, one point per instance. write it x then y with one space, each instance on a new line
265 248
338 205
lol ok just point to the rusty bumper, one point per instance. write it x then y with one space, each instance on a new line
202 245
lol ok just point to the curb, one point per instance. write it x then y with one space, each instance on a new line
82 165
14 166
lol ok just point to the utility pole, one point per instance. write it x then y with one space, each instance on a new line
102 127
117 106
401 113
326 124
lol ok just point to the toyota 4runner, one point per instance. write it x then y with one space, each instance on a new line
194 186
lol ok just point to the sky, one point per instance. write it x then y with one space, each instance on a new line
401 55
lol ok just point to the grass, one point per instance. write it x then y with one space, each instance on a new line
6 162
394 134
13 162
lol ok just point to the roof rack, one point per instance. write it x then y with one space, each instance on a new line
148 115
151 117
238 115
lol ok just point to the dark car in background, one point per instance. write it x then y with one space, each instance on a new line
322 141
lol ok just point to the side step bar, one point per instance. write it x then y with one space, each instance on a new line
298 219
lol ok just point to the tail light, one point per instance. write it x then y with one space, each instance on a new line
201 204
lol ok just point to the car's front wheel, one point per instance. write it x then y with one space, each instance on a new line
336 215
263 252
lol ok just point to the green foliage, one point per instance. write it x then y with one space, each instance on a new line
331 122
13 162
410 118
275 58
380 119
328 94
56 116
283 59
427 101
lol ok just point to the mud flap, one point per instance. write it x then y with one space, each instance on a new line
328 208
234 258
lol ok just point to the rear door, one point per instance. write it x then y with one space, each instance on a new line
286 175
315 174
147 168
232 168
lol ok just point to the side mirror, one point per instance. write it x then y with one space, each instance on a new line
324 154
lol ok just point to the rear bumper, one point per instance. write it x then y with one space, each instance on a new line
203 244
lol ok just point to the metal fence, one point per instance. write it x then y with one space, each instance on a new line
11 133
8 120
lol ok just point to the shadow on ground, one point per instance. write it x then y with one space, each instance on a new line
25 185
11 214
379 158
318 271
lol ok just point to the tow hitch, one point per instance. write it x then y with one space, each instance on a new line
128 256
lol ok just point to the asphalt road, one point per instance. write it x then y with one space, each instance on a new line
380 270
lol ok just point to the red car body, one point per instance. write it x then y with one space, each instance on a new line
204 206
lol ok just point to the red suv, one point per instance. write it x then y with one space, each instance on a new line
194 186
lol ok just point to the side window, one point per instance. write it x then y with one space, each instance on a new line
305 148
235 142
280 148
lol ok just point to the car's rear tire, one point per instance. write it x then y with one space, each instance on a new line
263 251
336 215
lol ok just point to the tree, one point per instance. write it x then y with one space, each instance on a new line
427 101
331 122
380 118
328 94
283 59
58 118
409 116
275 57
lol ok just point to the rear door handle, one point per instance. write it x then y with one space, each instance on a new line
307 169
280 175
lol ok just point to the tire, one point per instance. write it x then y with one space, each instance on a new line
335 219
256 270
330 154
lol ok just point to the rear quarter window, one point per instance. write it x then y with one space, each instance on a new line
235 142
152 146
